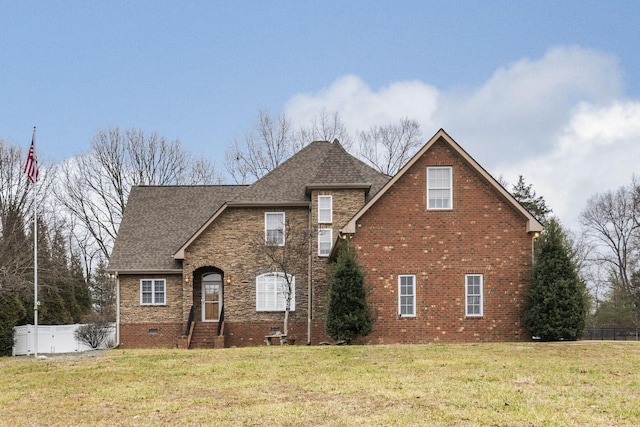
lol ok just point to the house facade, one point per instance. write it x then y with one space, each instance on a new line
447 252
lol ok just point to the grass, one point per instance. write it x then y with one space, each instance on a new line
507 384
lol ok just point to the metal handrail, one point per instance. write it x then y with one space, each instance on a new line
189 321
220 320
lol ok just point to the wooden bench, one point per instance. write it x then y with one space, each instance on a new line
268 338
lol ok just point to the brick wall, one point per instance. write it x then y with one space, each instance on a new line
131 311
230 245
482 234
245 334
345 204
150 335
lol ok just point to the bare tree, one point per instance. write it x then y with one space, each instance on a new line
94 187
324 127
288 257
274 139
388 147
16 214
610 223
264 148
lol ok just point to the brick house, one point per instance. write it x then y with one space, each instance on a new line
446 249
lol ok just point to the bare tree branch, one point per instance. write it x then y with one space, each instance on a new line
94 188
387 148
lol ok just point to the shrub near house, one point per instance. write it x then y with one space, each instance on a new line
446 252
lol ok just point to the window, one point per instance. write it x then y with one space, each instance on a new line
325 209
439 187
325 240
274 228
271 292
474 294
407 295
152 292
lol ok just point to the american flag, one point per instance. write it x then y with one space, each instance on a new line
31 167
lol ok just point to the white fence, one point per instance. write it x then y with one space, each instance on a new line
51 339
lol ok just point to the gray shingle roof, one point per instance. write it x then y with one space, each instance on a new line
319 163
158 220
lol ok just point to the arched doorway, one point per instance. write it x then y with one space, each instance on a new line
211 296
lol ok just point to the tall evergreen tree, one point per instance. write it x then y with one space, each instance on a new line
557 299
61 278
11 310
80 289
103 293
526 195
348 314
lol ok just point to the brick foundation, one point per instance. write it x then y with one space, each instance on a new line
151 335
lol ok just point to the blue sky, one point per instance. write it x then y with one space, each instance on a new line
546 89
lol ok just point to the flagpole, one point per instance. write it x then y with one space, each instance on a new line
36 303
31 169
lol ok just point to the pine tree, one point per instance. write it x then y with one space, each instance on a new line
60 277
52 309
11 310
103 293
527 197
557 298
348 314
80 289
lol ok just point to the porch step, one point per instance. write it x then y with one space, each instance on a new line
204 335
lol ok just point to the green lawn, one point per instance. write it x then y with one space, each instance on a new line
514 384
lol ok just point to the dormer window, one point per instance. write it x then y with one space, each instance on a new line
439 188
325 209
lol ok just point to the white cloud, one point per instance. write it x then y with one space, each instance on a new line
595 152
360 107
560 121
519 109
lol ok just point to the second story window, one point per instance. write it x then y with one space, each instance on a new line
274 228
439 188
324 241
325 209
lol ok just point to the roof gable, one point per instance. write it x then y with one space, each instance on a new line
158 219
320 164
533 225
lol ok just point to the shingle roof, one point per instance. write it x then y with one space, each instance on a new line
319 163
158 219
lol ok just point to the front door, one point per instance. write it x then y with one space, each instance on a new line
211 297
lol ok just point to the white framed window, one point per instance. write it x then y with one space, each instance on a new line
325 240
272 291
325 209
274 228
407 295
439 187
473 294
153 292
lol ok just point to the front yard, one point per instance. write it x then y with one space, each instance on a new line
512 384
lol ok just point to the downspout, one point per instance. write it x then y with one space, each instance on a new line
535 237
117 279
309 270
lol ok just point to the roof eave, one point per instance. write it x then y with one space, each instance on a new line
338 186
260 204
144 271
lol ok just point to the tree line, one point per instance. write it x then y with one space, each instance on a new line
81 202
